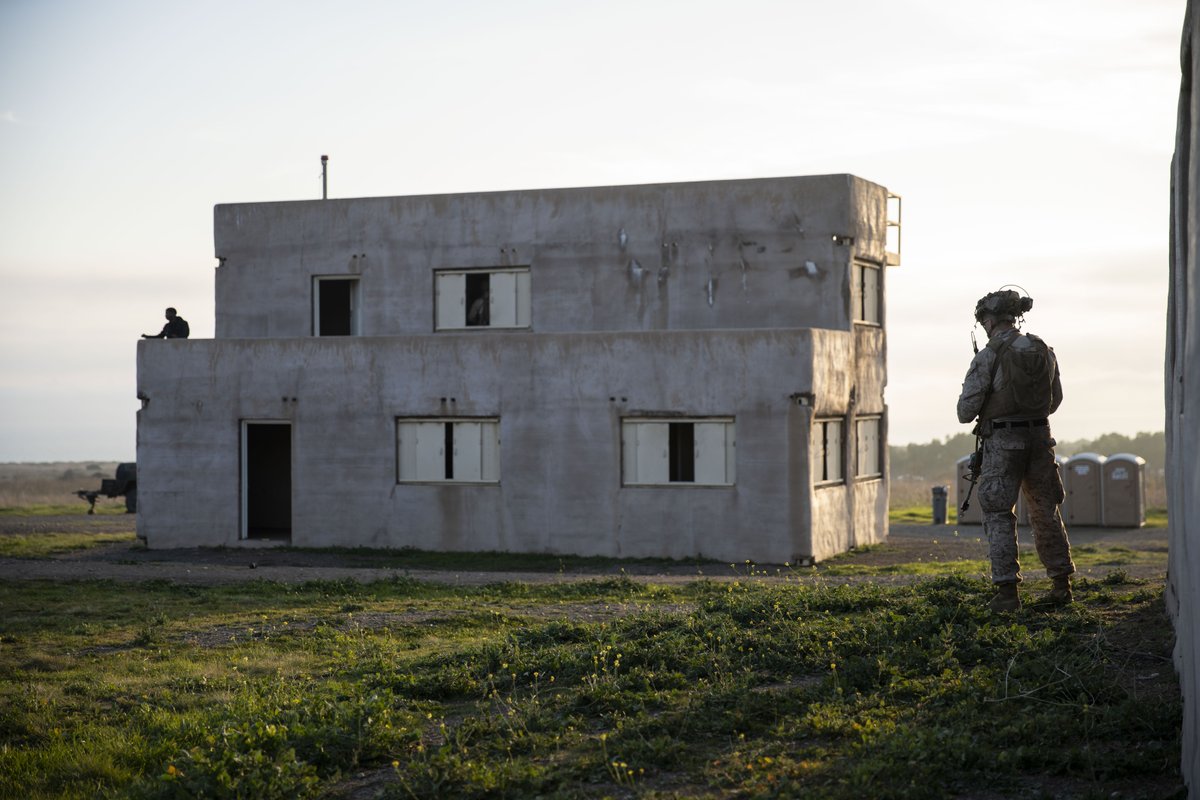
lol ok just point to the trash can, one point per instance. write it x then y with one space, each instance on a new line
971 516
941 496
1085 488
1124 491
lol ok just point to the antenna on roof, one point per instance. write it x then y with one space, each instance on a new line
324 177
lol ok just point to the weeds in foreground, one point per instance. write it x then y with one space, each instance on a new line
608 688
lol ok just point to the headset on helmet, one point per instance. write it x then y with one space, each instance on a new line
1005 304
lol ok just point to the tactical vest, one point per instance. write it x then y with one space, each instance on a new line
1028 381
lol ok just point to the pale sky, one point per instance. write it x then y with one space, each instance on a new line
1031 141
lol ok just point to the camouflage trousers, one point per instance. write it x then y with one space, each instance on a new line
1016 460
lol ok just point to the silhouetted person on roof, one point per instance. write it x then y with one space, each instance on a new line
176 328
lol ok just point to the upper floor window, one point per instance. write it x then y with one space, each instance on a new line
481 298
826 450
869 435
438 450
335 305
668 451
868 293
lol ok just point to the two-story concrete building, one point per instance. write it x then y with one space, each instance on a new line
672 370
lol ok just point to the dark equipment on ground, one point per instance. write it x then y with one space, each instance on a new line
974 467
125 483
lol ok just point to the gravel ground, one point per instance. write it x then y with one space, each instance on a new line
133 562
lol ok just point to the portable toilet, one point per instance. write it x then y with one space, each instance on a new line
1065 509
1023 507
962 484
1124 491
1085 490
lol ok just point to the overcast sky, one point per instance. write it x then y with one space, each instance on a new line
1031 141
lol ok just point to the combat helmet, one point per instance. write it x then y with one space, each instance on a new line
1006 304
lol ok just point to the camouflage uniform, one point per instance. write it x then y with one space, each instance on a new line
1016 458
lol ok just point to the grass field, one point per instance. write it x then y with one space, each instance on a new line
855 679
581 690
923 515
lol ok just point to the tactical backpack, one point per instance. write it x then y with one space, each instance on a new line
1029 379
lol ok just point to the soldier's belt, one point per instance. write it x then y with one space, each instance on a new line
1023 423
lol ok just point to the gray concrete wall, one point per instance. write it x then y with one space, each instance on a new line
711 255
1182 395
560 399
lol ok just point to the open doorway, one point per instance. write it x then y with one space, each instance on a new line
266 480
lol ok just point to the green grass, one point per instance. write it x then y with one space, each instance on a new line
42 545
80 508
1085 556
606 688
919 515
1156 517
923 515
926 568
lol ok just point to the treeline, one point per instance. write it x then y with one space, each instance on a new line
935 461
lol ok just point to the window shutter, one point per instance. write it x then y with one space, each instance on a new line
451 301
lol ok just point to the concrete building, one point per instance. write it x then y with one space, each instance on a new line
671 370
1182 391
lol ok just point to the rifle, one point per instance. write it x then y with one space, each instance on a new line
983 429
975 468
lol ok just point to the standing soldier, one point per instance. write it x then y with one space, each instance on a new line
1012 387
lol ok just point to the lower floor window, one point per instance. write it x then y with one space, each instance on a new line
826 449
670 451
869 432
458 450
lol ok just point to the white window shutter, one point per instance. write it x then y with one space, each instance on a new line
467 451
451 300
653 460
490 455
431 451
523 301
710 450
502 288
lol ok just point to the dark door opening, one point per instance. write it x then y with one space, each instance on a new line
267 472
335 307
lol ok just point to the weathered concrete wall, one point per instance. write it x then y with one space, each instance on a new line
560 399
854 513
1182 396
711 255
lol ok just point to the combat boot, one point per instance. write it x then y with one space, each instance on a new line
1060 595
1006 598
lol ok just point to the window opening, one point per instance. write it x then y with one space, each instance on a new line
441 450
448 447
700 452
870 452
827 451
335 307
481 298
682 447
868 294
478 299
